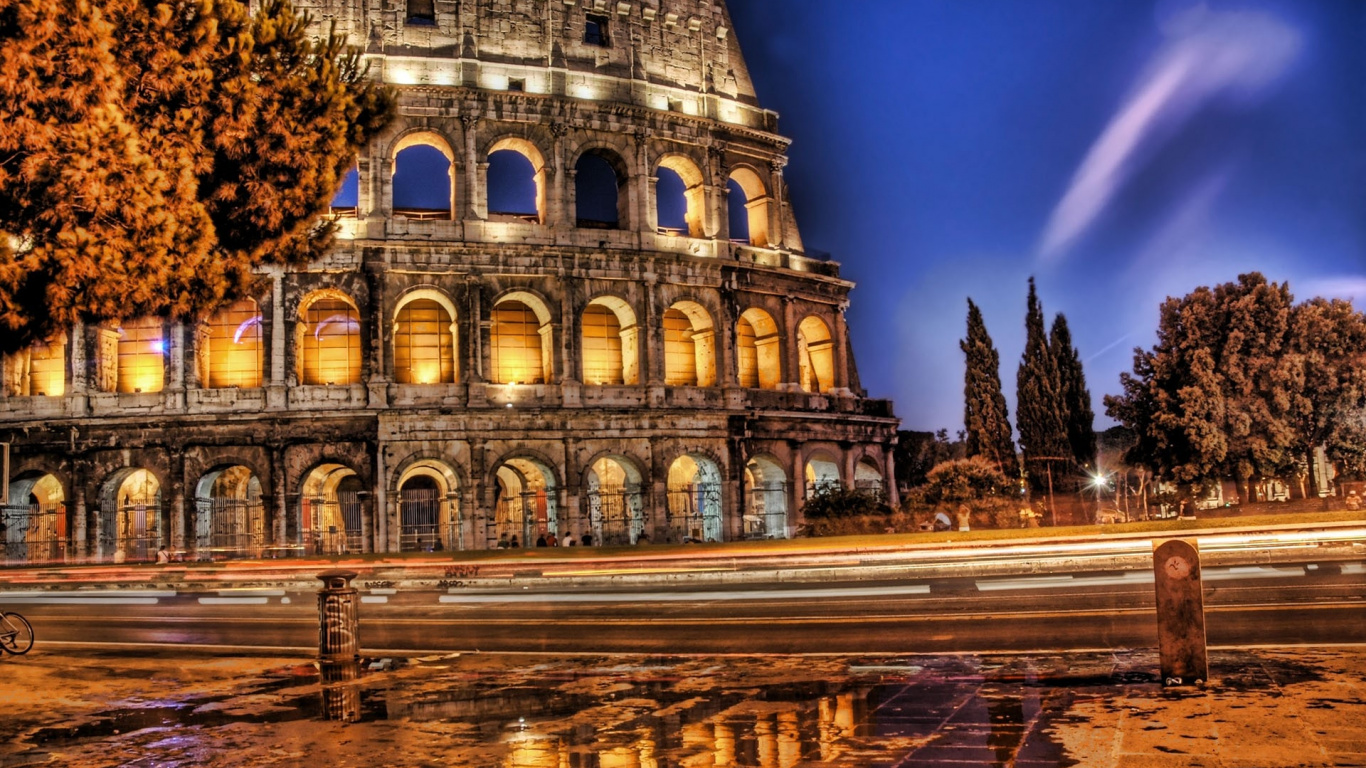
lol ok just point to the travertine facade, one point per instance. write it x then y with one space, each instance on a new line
647 358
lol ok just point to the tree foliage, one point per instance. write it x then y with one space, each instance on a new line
1075 397
830 501
971 479
1243 383
985 414
1040 410
154 154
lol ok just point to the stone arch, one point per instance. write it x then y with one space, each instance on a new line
37 519
424 338
868 476
749 206
610 342
130 525
758 348
526 501
821 468
414 170
521 343
613 511
689 345
815 355
694 498
767 491
231 349
535 158
601 179
332 511
230 518
328 339
693 201
427 494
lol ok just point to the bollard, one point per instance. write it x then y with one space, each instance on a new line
338 620
1180 613
340 691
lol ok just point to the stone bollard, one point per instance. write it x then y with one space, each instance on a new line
1180 613
338 619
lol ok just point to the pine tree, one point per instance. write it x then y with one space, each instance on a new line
1076 398
985 414
1039 408
154 155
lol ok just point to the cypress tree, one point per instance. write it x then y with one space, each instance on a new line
985 414
1039 412
1081 431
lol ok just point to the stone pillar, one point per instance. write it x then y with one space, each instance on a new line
791 363
777 227
557 214
641 186
78 397
386 535
472 190
175 392
573 486
277 390
658 509
798 496
81 540
477 513
842 356
367 521
726 329
654 334
889 476
177 490
373 369
279 516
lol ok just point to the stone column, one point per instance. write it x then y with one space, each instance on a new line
573 486
557 214
367 521
177 491
726 328
279 506
777 221
277 390
385 538
472 190
175 393
658 509
477 515
791 365
842 355
798 483
78 400
889 476
81 540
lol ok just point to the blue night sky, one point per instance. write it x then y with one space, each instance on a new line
1119 151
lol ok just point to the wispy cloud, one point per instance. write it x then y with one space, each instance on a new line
1216 56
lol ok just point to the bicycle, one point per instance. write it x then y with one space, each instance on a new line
16 634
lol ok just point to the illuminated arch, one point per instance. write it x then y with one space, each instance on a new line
331 510
413 168
766 488
868 477
129 525
39 370
525 503
694 499
328 339
689 346
230 519
142 355
424 338
233 351
749 213
36 521
428 507
613 509
815 356
610 342
535 158
757 347
821 470
694 199
521 346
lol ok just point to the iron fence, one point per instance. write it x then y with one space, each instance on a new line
694 513
33 533
615 516
766 513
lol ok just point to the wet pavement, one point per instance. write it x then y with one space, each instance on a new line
75 707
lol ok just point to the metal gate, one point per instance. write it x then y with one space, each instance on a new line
615 517
521 518
419 513
324 536
130 532
33 533
235 528
694 513
766 515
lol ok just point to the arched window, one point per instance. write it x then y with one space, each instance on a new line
346 203
598 190
867 477
230 518
423 172
821 472
235 353
520 346
679 201
757 350
816 356
611 343
424 346
694 500
37 371
421 13
766 507
329 352
524 507
142 355
613 503
689 346
516 182
748 203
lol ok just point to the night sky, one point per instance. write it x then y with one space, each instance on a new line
1120 151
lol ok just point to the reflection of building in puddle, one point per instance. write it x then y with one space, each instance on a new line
841 716
1007 727
340 689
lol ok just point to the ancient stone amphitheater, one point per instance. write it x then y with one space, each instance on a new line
569 300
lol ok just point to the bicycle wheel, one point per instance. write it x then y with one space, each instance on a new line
16 634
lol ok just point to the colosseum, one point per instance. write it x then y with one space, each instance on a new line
569 300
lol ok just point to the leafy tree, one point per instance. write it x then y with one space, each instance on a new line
985 414
1039 411
1213 397
154 154
1327 349
830 501
971 479
1076 398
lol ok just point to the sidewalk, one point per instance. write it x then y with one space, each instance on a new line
77 707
